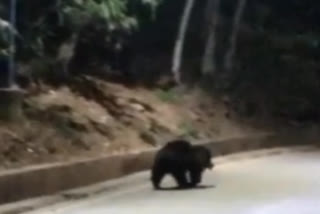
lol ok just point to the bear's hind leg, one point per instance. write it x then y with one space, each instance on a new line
181 179
195 177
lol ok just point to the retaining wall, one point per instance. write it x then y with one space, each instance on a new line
48 179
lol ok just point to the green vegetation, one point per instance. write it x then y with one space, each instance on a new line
257 52
188 129
167 96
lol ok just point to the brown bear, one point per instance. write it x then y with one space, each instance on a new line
179 158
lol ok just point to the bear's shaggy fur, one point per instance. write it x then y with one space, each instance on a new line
179 158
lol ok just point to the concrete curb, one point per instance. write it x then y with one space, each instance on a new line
49 179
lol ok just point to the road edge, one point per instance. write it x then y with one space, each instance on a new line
49 179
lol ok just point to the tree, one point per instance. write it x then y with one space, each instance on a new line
228 61
5 30
178 49
212 19
49 18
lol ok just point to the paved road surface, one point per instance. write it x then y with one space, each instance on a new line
282 184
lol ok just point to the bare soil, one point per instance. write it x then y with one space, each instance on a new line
91 117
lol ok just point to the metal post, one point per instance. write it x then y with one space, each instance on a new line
11 76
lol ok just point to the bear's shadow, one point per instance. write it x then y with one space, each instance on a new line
200 187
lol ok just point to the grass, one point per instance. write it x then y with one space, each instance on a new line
167 96
188 129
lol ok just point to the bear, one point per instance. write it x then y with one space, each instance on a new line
185 162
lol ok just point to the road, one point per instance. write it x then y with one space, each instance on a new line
285 183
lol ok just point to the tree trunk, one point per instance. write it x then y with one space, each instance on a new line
228 61
212 20
177 55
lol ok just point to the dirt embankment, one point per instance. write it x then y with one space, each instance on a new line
92 117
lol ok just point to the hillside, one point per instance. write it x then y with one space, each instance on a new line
91 117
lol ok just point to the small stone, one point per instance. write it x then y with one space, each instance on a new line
149 138
137 107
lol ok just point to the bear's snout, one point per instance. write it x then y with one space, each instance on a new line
211 165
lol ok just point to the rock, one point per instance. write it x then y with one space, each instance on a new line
149 138
81 144
120 101
30 150
194 116
11 104
137 107
104 130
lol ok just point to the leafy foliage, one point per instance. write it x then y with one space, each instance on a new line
278 51
54 19
114 11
